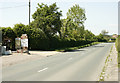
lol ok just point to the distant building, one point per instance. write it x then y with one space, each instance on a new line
114 36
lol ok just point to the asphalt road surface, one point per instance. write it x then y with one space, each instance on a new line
80 65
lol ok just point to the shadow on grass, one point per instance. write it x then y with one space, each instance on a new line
72 50
98 46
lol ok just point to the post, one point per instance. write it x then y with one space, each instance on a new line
29 24
29 12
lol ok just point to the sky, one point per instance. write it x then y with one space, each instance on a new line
101 14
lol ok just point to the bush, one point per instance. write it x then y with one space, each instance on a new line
118 44
38 39
8 33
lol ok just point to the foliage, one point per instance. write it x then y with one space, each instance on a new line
104 32
8 33
19 29
88 35
72 26
48 32
118 43
38 40
47 18
77 15
100 38
77 47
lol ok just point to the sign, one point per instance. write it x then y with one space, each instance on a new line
24 40
17 43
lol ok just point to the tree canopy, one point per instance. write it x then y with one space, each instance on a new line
104 32
77 15
73 25
47 18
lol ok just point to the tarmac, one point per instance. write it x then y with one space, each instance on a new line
15 58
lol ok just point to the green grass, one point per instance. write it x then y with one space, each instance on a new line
75 48
118 59
106 64
117 43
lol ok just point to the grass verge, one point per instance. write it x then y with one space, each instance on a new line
75 48
117 43
102 75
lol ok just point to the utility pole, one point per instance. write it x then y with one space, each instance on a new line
29 12
29 25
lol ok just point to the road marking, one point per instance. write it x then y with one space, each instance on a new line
42 69
70 58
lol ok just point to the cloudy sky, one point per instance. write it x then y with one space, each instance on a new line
101 15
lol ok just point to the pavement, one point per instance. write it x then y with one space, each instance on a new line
16 58
111 66
84 64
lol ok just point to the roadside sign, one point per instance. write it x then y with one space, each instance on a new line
17 43
24 40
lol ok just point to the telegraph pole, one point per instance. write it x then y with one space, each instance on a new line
29 12
29 25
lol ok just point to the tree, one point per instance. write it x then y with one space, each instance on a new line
73 24
19 29
104 32
8 34
47 18
37 39
88 35
77 15
101 38
69 30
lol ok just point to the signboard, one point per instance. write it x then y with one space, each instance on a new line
17 43
24 40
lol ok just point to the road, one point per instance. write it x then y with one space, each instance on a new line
80 65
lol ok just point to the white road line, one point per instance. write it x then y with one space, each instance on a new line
42 69
70 58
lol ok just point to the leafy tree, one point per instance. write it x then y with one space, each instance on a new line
37 39
70 29
62 30
48 32
88 35
8 33
100 38
77 15
105 36
47 18
104 32
73 25
19 29
118 44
